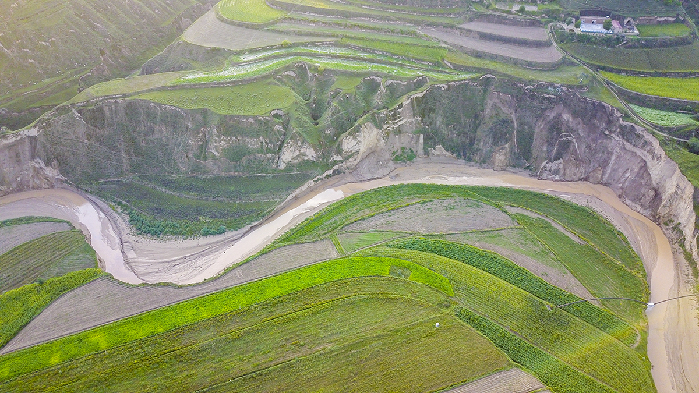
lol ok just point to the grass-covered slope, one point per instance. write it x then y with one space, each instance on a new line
47 46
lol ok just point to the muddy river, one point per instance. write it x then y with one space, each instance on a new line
673 338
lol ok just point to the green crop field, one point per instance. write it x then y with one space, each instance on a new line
664 118
233 188
555 331
368 328
199 309
19 306
523 279
580 220
251 11
663 30
687 161
190 206
571 75
682 88
255 98
311 328
683 58
601 275
518 240
27 220
48 256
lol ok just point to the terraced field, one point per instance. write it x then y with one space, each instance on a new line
674 59
412 287
682 88
427 296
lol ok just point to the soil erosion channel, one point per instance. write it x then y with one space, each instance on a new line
673 338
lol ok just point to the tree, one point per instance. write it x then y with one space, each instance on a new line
607 25
521 9
693 145
578 23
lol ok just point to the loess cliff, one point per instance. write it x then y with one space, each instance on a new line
548 129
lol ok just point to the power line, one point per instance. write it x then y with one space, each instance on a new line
649 304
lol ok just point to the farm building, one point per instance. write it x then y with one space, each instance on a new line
595 28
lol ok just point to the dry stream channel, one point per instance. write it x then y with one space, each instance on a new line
673 337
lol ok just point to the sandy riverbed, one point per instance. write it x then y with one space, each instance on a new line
673 346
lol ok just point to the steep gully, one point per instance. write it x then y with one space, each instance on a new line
673 346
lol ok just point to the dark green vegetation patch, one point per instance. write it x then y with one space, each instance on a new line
46 257
191 206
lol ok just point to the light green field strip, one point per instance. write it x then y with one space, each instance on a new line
267 66
664 118
256 98
195 310
682 88
19 306
423 8
570 75
127 86
555 331
431 53
351 242
339 51
251 11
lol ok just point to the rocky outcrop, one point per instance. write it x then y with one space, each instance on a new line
20 168
556 134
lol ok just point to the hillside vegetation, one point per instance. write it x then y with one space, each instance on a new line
49 48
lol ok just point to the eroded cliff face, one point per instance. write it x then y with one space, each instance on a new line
20 167
547 129
550 130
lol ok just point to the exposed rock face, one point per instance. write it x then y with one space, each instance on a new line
555 133
551 131
20 168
